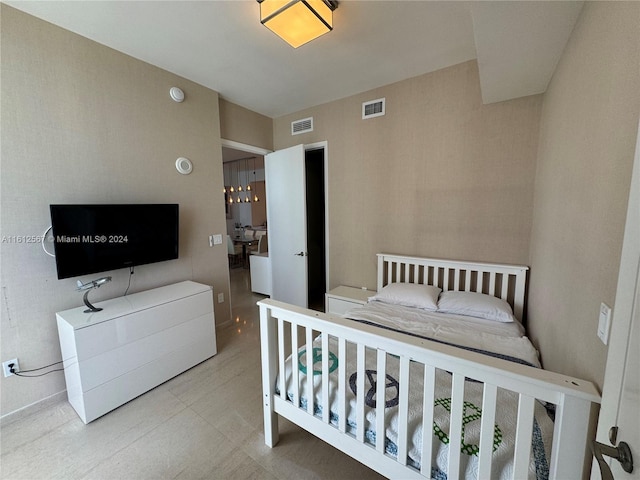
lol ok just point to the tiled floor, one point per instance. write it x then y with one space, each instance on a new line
205 423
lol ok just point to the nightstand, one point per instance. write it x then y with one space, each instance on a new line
342 298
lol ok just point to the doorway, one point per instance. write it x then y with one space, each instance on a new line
316 233
244 163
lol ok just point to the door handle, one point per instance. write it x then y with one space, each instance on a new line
622 453
301 254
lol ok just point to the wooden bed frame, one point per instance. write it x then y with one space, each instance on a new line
285 328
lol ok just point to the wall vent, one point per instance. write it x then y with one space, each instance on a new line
374 108
302 126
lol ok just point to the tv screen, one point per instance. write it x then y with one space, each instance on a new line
96 238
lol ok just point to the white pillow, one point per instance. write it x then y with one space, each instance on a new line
409 295
475 305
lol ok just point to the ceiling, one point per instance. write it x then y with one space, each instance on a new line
223 46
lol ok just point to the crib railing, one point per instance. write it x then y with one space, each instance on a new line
286 329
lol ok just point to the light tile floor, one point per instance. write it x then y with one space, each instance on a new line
205 423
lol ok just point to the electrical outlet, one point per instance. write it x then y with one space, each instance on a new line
5 366
221 297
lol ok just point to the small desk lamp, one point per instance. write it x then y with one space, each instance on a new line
87 287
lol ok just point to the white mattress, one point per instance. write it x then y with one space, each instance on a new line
506 339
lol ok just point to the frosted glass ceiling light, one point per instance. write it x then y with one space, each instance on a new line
297 21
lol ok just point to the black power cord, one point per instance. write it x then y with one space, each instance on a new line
128 286
20 373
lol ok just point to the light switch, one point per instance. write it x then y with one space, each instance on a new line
217 239
604 322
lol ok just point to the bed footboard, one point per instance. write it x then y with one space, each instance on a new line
395 426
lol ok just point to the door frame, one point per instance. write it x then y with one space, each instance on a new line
244 147
249 149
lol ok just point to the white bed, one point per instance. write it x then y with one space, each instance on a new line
485 394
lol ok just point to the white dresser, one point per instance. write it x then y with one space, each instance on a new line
134 344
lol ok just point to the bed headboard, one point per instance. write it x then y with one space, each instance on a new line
503 281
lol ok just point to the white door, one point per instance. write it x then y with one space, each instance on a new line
287 224
621 391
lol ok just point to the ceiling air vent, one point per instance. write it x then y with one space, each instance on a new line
302 126
374 108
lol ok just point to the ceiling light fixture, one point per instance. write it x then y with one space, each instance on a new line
297 21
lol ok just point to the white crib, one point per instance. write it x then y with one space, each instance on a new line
286 328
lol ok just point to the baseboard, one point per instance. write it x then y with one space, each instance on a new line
30 409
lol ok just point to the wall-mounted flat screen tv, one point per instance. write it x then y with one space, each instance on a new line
97 238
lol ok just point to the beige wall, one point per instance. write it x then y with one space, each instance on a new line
439 175
82 123
245 126
588 130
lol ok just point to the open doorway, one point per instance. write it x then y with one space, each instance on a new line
244 192
316 234
242 164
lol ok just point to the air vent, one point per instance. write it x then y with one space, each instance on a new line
302 126
374 108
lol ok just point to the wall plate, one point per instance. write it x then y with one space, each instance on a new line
184 165
177 95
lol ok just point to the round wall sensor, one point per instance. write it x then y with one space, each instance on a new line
176 94
184 166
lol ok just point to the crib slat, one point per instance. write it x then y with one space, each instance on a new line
403 410
519 293
295 373
524 430
281 359
505 287
360 393
325 378
456 280
342 384
455 424
492 283
310 357
436 278
381 375
487 426
467 280
427 419
479 280
398 272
